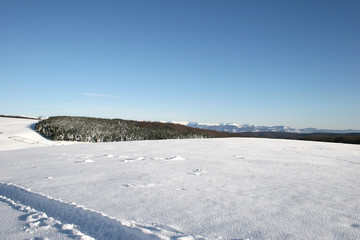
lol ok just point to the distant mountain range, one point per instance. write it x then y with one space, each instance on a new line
237 128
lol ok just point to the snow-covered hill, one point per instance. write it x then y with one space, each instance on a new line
235 188
18 133
239 128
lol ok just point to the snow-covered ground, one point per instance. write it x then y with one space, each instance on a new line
235 188
18 133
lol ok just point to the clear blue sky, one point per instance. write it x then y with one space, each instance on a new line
294 63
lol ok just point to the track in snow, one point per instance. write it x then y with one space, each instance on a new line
69 217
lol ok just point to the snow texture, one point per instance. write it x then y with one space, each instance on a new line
97 224
236 188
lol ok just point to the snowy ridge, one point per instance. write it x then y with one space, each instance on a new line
70 216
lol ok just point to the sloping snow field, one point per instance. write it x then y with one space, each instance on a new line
235 188
18 133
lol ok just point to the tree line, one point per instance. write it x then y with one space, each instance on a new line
87 129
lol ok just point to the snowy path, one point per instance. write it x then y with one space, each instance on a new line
46 211
22 222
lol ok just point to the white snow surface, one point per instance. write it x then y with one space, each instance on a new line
18 133
234 188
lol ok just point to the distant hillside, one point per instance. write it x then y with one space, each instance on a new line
238 128
85 129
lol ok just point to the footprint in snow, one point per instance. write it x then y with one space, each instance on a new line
132 158
70 229
355 225
238 157
175 158
36 221
198 171
172 158
88 161
145 185
85 161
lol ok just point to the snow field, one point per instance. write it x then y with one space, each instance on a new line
17 133
237 188
97 224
